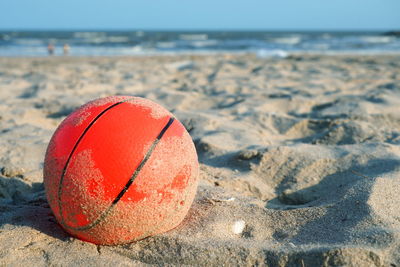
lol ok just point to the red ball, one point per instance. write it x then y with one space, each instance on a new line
120 169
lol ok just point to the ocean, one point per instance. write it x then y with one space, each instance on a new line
263 43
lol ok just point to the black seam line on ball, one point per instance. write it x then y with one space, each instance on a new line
145 159
129 183
73 151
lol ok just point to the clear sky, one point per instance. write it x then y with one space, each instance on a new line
201 14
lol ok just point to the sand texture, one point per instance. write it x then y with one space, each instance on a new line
299 158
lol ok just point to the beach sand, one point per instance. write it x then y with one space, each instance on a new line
299 158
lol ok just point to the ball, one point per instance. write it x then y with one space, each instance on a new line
119 169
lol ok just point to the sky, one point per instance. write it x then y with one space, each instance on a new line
200 15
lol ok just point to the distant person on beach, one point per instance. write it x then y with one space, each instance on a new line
66 49
50 49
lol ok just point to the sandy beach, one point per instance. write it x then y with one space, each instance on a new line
299 158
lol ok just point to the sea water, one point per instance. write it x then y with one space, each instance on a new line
264 43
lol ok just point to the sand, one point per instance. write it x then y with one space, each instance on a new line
299 158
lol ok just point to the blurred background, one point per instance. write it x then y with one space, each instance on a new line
129 27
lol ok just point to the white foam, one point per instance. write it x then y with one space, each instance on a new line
263 53
377 39
292 40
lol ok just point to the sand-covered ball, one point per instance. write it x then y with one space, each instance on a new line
119 169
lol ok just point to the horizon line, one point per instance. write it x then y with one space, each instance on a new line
197 30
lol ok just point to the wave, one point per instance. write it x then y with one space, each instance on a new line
205 43
193 37
377 39
290 40
166 45
262 53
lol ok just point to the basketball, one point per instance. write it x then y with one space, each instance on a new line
119 169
